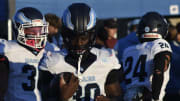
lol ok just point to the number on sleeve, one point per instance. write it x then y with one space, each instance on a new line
163 45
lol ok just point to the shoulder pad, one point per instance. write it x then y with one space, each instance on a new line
160 45
9 46
49 61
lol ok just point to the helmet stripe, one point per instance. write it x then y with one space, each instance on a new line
21 18
92 21
67 19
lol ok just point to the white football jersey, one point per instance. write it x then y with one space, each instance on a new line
92 79
23 73
138 63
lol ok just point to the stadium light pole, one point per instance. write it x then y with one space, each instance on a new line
11 7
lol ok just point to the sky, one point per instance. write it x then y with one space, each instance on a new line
107 8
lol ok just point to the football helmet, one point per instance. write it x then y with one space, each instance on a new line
31 27
152 26
79 21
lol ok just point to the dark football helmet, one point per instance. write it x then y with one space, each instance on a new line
31 27
152 26
79 21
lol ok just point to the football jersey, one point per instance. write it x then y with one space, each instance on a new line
138 63
92 79
23 72
124 43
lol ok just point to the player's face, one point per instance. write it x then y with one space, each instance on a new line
34 36
111 32
80 40
52 30
79 43
33 31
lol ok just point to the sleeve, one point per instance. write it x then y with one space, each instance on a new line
116 62
160 50
2 46
113 59
161 45
116 71
114 78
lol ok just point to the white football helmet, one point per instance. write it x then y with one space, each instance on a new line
31 27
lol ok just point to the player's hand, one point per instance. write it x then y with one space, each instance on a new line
102 98
68 89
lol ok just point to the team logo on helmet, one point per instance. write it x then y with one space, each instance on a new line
146 29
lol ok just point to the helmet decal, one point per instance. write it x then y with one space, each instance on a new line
23 18
146 29
67 20
92 21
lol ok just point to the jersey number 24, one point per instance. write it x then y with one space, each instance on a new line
140 64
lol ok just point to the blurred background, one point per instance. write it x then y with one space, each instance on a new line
121 10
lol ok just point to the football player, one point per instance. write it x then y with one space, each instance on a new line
149 58
86 73
130 39
20 58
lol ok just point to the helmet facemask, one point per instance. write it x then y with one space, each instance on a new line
33 34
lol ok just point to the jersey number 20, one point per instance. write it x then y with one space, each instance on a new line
89 92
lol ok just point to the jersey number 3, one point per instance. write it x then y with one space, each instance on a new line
29 69
141 74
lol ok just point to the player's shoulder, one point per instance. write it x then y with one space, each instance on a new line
9 46
54 55
107 57
51 59
160 45
103 52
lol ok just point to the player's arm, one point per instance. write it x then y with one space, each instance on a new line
112 86
45 78
63 86
4 71
161 64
